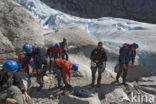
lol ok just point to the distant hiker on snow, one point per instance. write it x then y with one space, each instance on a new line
64 48
98 62
63 68
12 87
127 53
40 62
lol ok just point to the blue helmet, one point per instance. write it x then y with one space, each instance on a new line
65 38
57 45
10 66
27 47
75 67
135 45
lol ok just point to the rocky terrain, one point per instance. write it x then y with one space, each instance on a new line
17 26
140 10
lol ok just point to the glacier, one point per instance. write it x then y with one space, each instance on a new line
113 31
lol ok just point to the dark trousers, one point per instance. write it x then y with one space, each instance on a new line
58 72
41 68
121 69
100 69
65 55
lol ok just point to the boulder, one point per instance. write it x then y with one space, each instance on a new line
17 26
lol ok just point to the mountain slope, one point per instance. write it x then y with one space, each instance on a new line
140 10
17 26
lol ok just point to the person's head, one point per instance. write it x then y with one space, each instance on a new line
134 46
100 45
75 67
57 45
27 48
64 39
10 67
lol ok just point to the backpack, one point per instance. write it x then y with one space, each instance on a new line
124 45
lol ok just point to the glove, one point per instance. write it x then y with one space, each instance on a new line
68 85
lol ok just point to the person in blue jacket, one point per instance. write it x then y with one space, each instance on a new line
40 62
127 54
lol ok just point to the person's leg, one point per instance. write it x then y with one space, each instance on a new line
100 70
93 69
66 54
125 74
15 93
50 65
59 77
119 72
39 75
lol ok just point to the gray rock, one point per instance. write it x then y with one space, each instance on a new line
17 26
141 10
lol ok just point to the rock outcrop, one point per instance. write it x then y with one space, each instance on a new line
140 10
17 26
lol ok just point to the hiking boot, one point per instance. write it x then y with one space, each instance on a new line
117 80
92 85
98 85
124 83
61 87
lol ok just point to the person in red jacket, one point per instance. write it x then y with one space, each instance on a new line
53 52
30 63
63 68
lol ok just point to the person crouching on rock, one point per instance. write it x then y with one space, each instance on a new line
40 62
53 52
127 54
63 68
98 61
11 87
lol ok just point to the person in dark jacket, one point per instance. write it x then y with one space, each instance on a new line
98 61
40 62
127 54
53 52
11 87
64 48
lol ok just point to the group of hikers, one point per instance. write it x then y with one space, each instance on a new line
12 87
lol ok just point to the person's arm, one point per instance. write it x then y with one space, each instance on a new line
91 56
104 56
20 85
26 60
3 96
18 81
133 57
69 74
